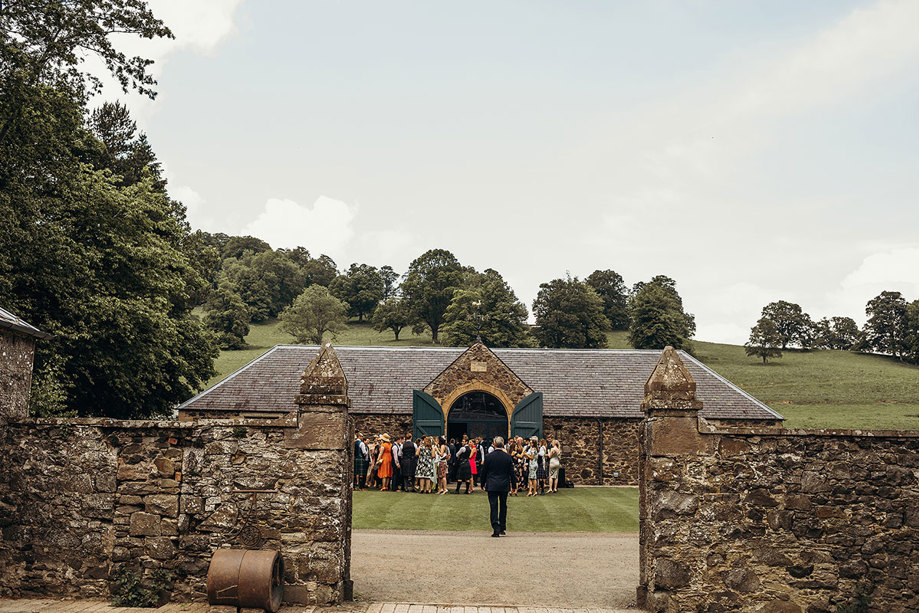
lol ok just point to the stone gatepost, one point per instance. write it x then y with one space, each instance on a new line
670 431
321 554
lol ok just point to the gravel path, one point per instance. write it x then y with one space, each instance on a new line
564 569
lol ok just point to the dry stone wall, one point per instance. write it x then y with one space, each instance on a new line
761 519
83 499
586 441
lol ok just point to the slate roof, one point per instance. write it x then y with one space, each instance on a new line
574 382
11 322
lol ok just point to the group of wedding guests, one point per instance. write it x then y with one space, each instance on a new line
427 464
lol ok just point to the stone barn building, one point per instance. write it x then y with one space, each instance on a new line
588 399
17 352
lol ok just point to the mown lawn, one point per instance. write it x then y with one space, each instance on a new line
579 509
814 389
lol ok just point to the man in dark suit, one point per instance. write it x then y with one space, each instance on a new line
498 477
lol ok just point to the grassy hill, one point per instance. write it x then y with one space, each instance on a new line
814 389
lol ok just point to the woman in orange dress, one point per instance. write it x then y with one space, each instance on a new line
385 462
473 453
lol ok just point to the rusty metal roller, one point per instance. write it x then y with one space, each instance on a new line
246 578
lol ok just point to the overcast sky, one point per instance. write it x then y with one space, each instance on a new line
753 151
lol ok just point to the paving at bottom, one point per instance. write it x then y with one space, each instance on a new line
455 572
546 569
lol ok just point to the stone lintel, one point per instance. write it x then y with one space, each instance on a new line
678 435
318 430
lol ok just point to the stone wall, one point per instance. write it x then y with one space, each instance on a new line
16 355
582 439
373 425
760 519
83 499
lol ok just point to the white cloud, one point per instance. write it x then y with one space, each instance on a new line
200 25
896 269
326 228
393 247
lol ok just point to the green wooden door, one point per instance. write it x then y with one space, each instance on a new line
427 416
526 420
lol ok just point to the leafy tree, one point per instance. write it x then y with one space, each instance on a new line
313 313
611 288
238 246
102 268
319 271
44 43
390 281
912 332
267 281
658 319
789 320
886 329
488 308
228 317
764 340
569 313
837 333
120 148
362 287
392 314
100 262
428 288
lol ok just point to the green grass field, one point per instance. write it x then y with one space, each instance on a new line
580 509
815 389
824 389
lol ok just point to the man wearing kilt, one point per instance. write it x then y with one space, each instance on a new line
361 461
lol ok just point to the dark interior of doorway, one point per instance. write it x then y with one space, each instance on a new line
476 414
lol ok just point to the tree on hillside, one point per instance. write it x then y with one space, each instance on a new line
390 281
569 313
488 308
790 321
362 287
238 246
912 332
320 271
837 333
886 328
657 317
227 316
428 288
764 340
391 314
611 288
312 314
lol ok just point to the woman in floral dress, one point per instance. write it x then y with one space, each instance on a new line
425 471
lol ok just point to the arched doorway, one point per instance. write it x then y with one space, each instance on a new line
477 414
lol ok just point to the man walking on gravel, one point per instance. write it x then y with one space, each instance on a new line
498 477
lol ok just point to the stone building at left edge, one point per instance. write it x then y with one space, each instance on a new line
17 353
